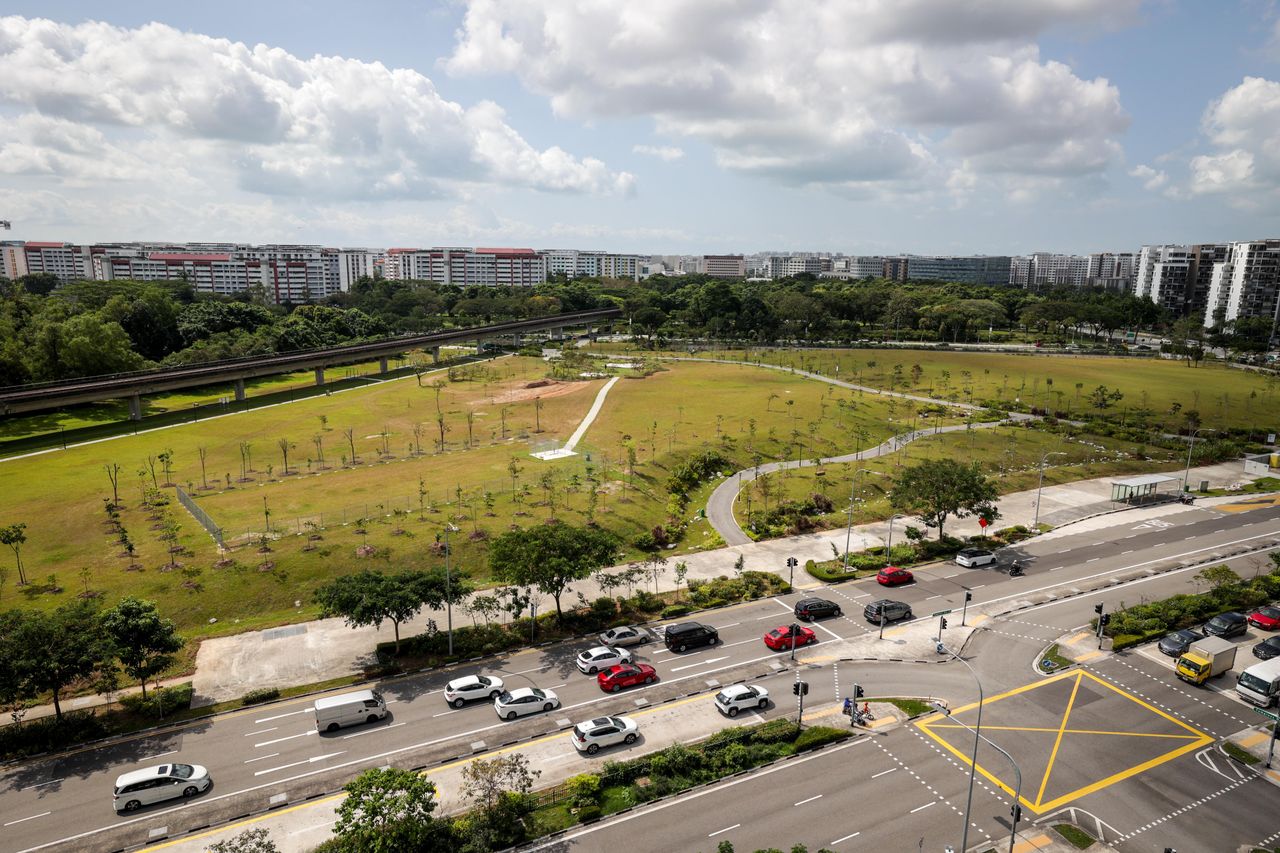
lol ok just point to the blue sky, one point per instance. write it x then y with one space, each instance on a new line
673 126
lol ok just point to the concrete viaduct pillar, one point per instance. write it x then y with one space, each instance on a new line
435 355
319 375
239 390
382 364
135 407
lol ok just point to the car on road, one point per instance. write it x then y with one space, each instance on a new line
628 635
973 557
615 678
1176 644
594 735
469 688
1267 649
524 701
808 609
740 697
687 635
1267 618
894 576
781 639
891 610
139 788
601 657
1229 624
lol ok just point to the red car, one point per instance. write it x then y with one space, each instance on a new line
894 576
779 639
1265 617
623 675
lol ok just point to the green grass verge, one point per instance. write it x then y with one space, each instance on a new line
910 707
1051 654
1239 754
1076 836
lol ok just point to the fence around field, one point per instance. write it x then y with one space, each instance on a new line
200 515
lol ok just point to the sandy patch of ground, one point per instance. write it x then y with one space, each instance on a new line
529 390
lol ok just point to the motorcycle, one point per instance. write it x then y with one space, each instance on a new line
1016 570
1186 498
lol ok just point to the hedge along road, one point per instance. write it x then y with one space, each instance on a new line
720 504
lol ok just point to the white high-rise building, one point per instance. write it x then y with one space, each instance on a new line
1246 284
1148 257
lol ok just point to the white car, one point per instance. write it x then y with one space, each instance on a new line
630 635
591 736
738 697
973 557
460 691
139 788
523 701
602 657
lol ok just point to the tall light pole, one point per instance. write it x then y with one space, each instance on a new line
448 583
1187 473
973 763
888 548
1014 810
1036 524
848 531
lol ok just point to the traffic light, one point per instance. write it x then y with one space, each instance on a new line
968 596
943 623
1104 619
858 692
792 562
1097 608
1016 811
800 688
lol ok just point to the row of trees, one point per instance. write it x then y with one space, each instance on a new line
78 643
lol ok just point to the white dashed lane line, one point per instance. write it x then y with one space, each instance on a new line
938 798
1188 807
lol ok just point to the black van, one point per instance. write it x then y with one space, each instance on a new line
687 635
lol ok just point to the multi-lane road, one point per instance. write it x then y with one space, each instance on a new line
274 751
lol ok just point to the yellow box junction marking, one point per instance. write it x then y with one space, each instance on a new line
1193 740
1252 503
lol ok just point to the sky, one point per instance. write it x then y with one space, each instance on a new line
658 127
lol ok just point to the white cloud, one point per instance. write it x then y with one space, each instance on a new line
662 152
260 117
1152 179
1243 125
846 93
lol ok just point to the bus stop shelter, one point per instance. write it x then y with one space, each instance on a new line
1140 490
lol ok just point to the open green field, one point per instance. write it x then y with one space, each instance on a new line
1167 389
401 485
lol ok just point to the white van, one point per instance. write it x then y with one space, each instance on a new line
139 788
1260 683
349 709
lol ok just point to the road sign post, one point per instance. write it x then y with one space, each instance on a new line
1275 724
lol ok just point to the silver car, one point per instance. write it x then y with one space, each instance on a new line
629 635
139 788
601 657
523 701
592 736
460 691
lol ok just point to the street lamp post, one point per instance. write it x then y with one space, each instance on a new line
888 548
848 531
1036 524
973 763
1187 473
448 584
1014 810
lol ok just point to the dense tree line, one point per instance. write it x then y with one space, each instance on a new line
50 331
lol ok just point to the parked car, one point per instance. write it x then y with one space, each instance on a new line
1267 649
592 736
601 657
629 635
739 697
1267 618
139 788
973 557
469 688
781 639
1176 644
894 576
523 701
615 678
808 609
687 635
892 610
1229 624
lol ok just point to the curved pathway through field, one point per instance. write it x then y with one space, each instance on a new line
720 504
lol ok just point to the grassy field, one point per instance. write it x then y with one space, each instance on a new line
1223 396
741 412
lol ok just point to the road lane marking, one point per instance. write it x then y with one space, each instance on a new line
810 800
730 625
925 806
259 732
311 760
828 630
445 713
846 838
883 772
261 758
1062 727
283 739
372 731
709 834
24 819
40 784
282 716
699 663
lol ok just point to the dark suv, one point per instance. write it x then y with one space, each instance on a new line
1229 624
808 609
893 610
687 635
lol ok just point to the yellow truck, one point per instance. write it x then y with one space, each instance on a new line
1206 659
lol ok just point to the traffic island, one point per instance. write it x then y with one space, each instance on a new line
1252 747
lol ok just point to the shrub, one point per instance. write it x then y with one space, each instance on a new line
262 694
676 610
817 736
48 735
583 790
166 700
603 608
587 814
776 731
